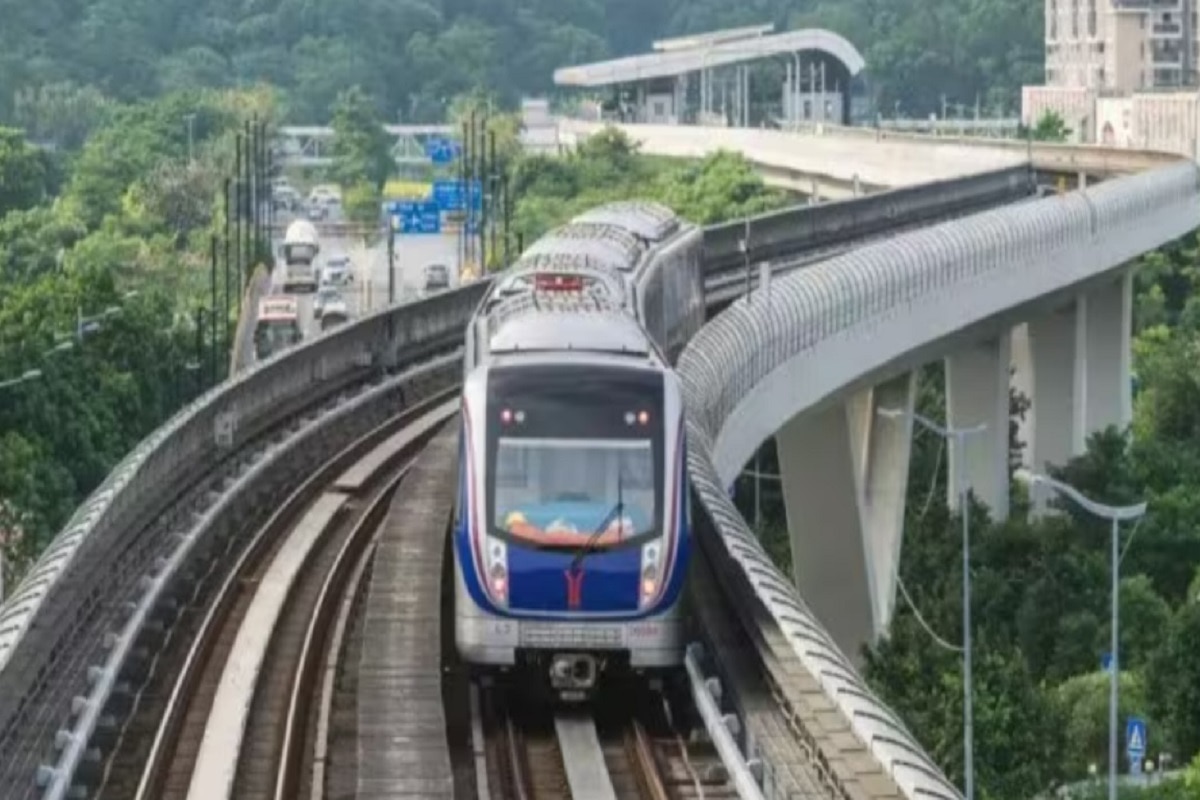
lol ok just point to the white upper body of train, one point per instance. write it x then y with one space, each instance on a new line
640 250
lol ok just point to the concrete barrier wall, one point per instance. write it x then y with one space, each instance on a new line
797 230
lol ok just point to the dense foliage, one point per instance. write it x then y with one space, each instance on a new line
103 261
61 59
549 190
1040 586
117 234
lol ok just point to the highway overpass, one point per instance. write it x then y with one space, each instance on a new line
810 357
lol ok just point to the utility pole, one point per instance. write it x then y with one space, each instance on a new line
492 188
258 188
744 246
391 257
189 119
483 198
213 286
228 298
199 350
463 191
470 188
248 200
225 242
237 213
507 218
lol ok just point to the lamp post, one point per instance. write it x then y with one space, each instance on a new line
391 260
958 437
1116 515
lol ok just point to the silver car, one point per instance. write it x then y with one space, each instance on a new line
326 299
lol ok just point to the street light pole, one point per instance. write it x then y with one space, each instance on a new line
391 260
958 436
1116 514
189 118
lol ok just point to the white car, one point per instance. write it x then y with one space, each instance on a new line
337 271
335 306
327 297
324 194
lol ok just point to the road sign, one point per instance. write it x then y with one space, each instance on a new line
417 217
448 194
1135 740
441 151
1106 662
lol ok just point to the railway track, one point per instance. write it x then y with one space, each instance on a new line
306 672
219 732
624 747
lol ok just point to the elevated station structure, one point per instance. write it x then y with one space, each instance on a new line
715 79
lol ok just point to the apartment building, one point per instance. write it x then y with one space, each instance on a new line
1122 73
1121 45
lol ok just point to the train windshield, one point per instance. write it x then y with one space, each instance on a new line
575 455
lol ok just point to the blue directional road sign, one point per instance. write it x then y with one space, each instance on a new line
441 151
1135 743
448 194
417 217
1105 662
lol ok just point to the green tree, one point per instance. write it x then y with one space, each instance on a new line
1050 127
362 202
25 172
61 113
1174 681
1084 700
127 244
362 149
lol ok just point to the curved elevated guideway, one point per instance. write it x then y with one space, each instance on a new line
835 162
811 341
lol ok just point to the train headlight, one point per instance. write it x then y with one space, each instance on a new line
651 574
497 570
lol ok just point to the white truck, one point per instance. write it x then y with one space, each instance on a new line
300 248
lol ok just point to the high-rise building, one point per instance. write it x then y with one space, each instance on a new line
1122 73
1121 46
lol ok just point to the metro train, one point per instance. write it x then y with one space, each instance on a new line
571 535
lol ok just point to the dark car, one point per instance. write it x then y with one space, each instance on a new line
437 276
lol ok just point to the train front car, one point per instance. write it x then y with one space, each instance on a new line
572 534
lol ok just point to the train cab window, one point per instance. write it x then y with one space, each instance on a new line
569 446
637 469
512 467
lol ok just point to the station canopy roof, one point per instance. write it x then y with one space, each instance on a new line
687 54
